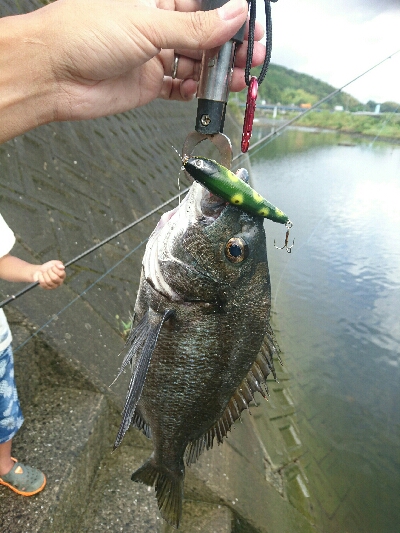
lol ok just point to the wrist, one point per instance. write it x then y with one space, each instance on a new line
26 81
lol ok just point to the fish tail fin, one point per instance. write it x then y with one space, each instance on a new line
168 487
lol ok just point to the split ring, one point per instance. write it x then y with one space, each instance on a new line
175 66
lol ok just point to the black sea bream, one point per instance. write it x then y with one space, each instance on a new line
201 342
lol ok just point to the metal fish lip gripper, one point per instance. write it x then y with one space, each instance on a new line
216 73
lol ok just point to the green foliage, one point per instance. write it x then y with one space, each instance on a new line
286 86
298 97
123 327
390 107
382 125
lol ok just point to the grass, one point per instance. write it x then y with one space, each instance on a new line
386 125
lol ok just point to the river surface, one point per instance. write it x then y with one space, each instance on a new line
336 310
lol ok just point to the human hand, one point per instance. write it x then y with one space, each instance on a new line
50 275
104 57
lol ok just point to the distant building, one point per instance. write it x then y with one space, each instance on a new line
377 109
305 106
338 108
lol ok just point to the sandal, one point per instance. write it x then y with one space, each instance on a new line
23 479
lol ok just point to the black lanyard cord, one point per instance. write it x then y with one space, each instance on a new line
268 40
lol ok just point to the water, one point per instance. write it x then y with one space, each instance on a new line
336 307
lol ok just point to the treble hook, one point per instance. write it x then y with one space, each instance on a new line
287 248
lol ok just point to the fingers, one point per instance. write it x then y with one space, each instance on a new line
184 87
187 5
203 29
50 275
186 68
258 31
182 90
195 5
190 66
241 55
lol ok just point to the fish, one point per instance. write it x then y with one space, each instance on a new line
201 344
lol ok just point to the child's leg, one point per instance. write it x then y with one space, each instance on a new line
10 412
6 463
20 478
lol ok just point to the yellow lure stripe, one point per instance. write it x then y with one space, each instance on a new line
225 184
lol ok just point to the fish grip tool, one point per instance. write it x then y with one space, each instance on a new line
216 73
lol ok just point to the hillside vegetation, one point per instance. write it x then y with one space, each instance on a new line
287 87
385 126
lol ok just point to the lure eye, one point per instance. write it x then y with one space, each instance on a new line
198 163
236 250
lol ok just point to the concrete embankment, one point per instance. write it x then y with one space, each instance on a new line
65 187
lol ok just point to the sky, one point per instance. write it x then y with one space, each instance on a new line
336 40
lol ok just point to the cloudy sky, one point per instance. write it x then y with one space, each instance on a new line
335 40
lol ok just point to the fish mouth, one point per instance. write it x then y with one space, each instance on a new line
211 205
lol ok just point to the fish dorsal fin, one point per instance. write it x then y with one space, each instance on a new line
255 381
143 340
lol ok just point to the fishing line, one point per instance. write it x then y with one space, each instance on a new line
384 124
331 95
95 247
56 315
297 251
259 143
274 134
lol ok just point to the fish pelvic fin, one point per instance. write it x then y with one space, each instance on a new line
168 486
255 381
143 342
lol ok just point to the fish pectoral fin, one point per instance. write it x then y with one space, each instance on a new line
255 381
136 339
168 487
153 323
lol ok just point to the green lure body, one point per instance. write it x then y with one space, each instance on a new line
228 186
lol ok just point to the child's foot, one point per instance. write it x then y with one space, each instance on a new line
23 479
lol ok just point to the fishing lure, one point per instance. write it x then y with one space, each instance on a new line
225 184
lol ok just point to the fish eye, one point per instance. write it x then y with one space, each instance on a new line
236 250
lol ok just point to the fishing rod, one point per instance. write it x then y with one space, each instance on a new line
94 248
161 206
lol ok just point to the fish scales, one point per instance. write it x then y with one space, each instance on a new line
201 322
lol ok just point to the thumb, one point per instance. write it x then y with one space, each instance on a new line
196 30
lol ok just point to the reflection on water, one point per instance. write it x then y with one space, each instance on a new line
336 310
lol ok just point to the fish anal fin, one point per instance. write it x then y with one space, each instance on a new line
218 430
168 487
247 391
139 423
270 348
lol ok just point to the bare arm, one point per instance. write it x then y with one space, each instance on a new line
79 59
50 275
